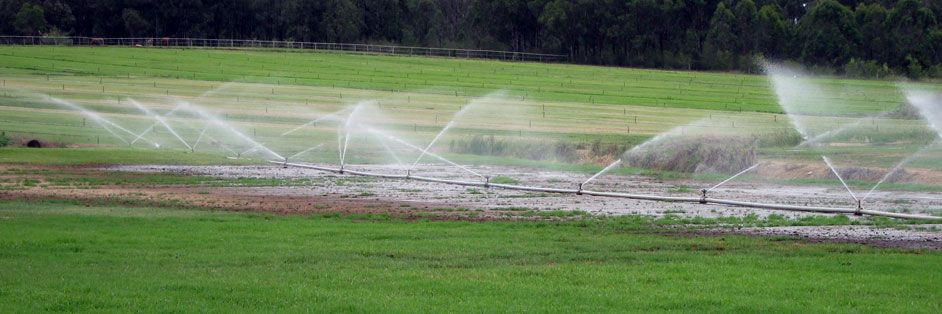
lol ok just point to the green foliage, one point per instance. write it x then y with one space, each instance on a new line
30 20
134 23
865 69
829 34
721 42
4 140
702 34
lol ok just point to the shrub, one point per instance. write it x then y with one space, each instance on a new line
4 140
865 69
697 155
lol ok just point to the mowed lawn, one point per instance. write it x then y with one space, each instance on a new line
64 257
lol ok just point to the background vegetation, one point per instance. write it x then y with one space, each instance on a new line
864 38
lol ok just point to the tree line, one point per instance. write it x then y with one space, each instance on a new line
867 38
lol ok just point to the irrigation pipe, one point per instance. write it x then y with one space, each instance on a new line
701 200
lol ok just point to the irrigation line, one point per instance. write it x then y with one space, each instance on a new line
827 210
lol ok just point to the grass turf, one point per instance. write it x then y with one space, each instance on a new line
63 257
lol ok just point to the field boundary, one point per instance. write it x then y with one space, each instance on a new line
280 44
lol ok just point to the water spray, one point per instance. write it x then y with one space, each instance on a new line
729 179
161 121
828 162
604 170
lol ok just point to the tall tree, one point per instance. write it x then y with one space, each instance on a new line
828 35
30 20
135 24
908 26
747 23
721 42
871 19
773 33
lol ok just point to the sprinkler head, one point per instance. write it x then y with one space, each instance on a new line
703 197
487 181
341 168
859 208
579 192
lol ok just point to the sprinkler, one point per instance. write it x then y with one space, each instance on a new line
341 169
703 197
285 165
408 173
579 192
487 181
859 208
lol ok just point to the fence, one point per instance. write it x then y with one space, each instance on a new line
293 45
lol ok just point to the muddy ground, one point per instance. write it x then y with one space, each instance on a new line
329 192
444 195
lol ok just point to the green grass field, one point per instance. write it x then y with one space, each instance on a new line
60 257
541 82
100 255
266 94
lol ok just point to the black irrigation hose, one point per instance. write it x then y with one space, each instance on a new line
701 200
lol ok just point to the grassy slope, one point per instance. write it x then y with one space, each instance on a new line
60 257
546 82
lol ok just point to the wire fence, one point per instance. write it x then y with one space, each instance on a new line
287 45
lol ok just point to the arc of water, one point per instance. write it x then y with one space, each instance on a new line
346 128
200 137
151 127
160 120
839 130
442 132
410 145
145 131
343 154
105 126
895 168
254 148
222 144
306 150
604 170
212 119
391 152
733 177
828 162
99 119
332 115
